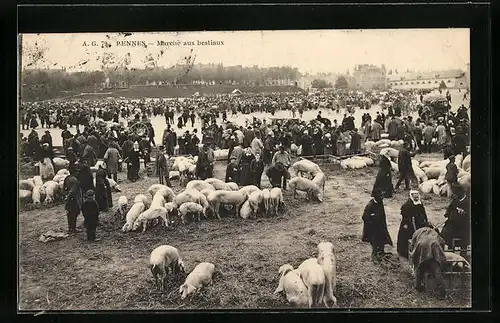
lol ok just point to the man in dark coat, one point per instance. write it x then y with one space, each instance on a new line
84 175
248 137
405 167
307 144
202 164
393 128
414 217
47 138
103 190
277 175
458 223
355 146
232 171
375 226
90 211
451 175
383 182
73 199
256 170
93 142
162 169
89 155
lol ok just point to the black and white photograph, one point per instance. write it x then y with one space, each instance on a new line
264 169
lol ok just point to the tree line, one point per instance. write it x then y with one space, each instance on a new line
178 74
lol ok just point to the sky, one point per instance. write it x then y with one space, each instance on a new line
311 51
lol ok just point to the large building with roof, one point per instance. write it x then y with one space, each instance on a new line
455 79
369 77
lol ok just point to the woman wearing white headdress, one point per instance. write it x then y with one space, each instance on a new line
413 218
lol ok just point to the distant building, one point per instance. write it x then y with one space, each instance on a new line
369 77
428 80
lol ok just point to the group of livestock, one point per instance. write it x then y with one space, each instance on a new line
312 284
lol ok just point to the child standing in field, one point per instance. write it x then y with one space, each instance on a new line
90 210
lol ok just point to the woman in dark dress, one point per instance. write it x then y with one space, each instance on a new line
383 181
256 170
245 174
133 163
414 218
375 226
102 190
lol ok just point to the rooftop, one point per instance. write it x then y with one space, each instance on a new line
426 75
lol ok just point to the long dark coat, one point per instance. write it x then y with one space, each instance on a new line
256 170
307 145
457 225
384 178
414 217
245 174
404 162
375 225
73 195
102 191
232 173
85 178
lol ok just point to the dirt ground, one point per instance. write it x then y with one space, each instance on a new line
113 274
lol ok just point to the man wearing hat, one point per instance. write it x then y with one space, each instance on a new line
47 138
405 167
161 166
277 175
375 226
90 211
458 221
232 170
451 175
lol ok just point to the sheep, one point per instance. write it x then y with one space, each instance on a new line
276 199
391 152
246 210
148 215
190 207
306 185
353 163
199 185
144 199
158 201
162 259
122 206
200 276
57 178
189 195
326 259
382 142
369 145
191 172
155 188
292 285
466 163
434 172
133 214
231 186
26 184
320 180
50 189
249 189
36 194
37 180
216 198
266 196
255 199
182 165
459 160
216 183
60 163
419 173
464 181
313 276
174 174
294 149
426 186
305 166
25 196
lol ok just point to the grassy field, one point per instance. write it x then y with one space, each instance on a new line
113 274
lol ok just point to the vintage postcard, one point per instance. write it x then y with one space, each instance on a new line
245 170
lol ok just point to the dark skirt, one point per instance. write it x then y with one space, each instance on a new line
384 183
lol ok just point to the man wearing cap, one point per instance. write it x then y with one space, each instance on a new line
111 158
73 199
375 226
277 175
282 156
256 170
405 167
90 211
47 138
451 175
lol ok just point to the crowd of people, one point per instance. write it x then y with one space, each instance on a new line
260 146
